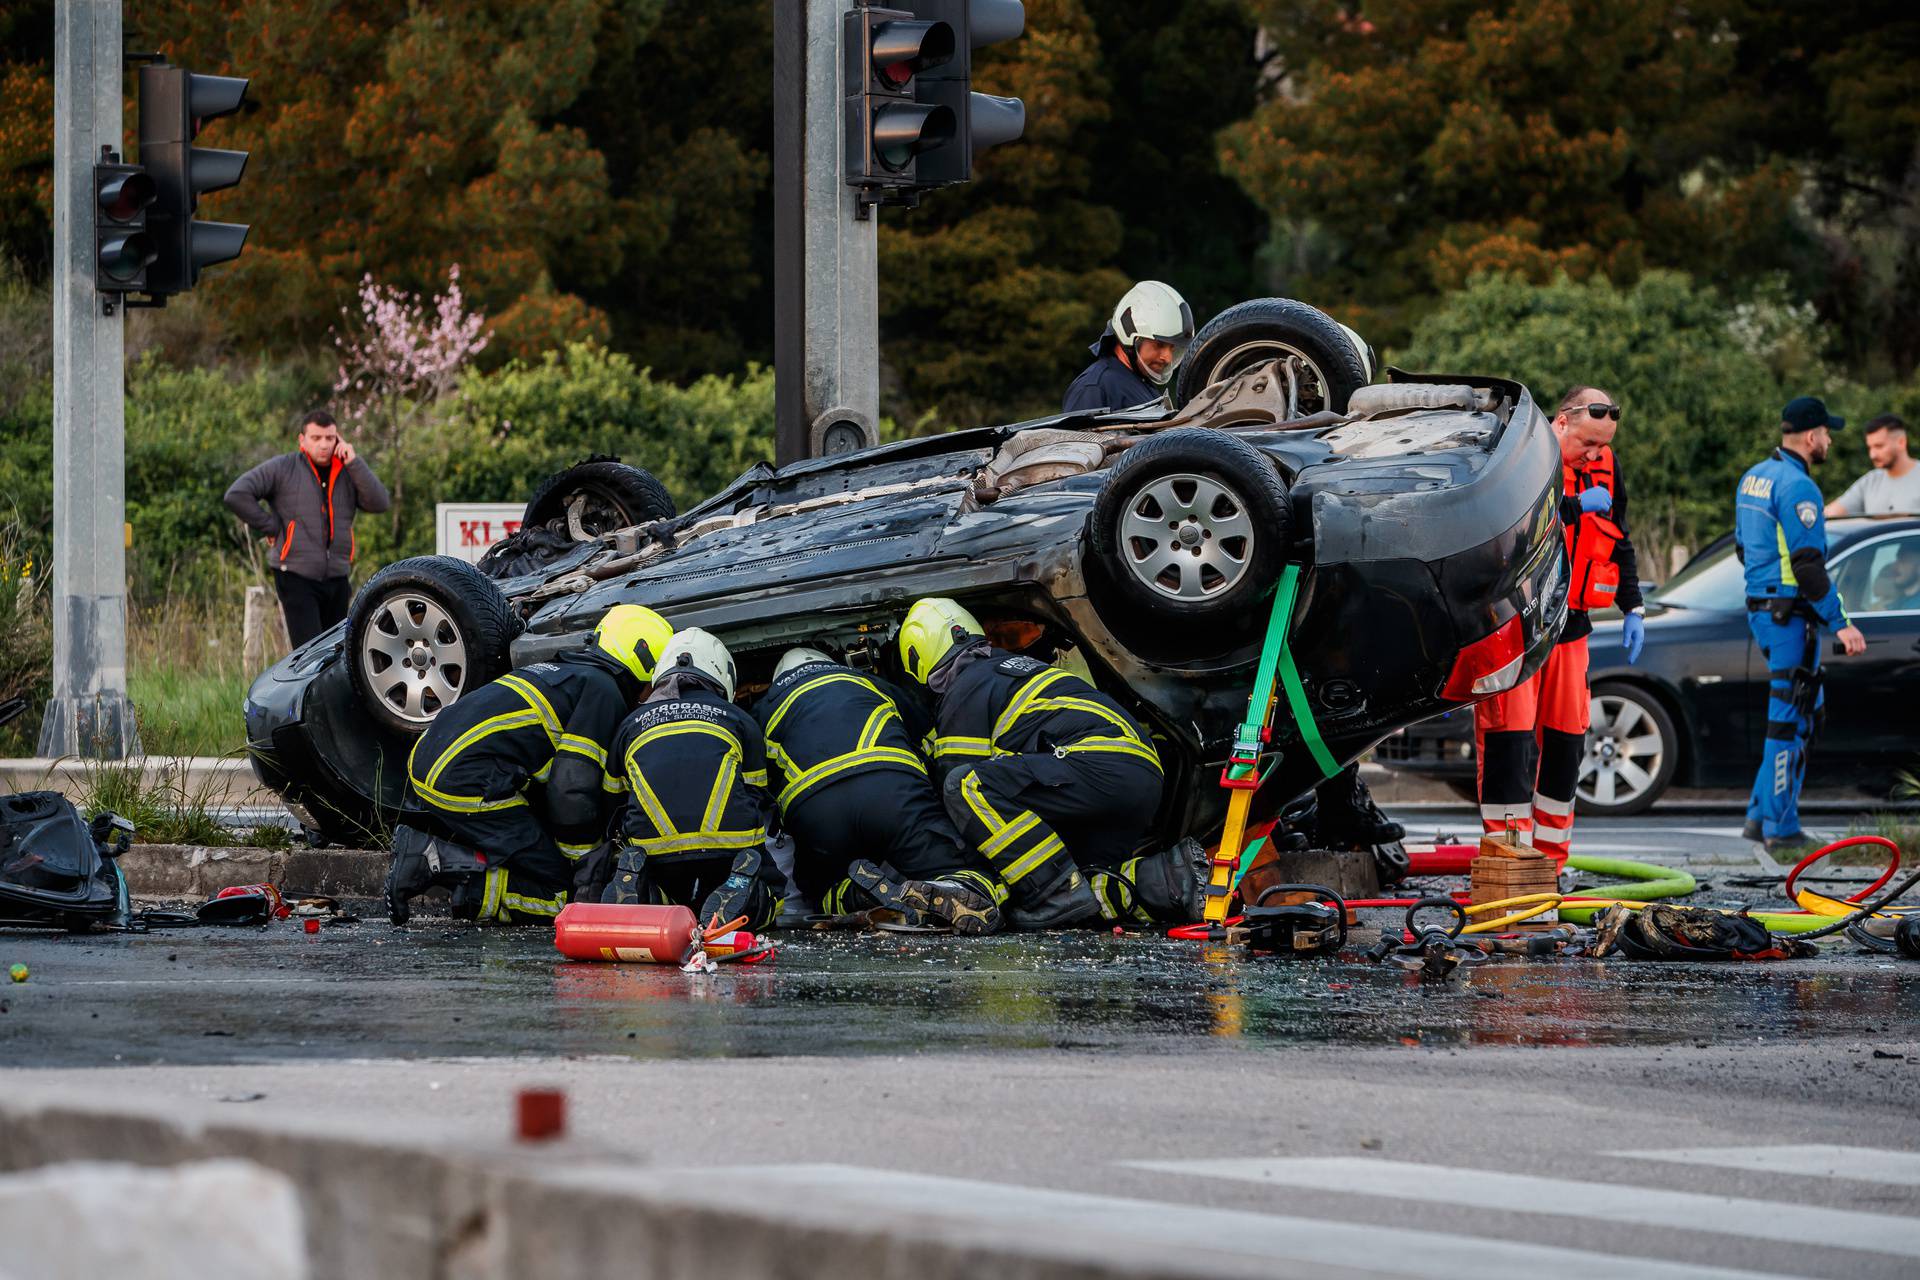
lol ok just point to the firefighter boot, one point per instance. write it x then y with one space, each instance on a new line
742 893
1348 817
1172 886
1067 901
409 874
628 884
963 900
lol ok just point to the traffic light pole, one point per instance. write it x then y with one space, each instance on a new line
89 713
826 359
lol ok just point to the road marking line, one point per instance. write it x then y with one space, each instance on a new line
1606 1201
1813 1159
1193 1240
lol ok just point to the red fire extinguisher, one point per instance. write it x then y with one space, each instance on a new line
626 931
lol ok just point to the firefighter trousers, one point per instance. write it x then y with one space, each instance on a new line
1528 743
527 877
1041 820
889 816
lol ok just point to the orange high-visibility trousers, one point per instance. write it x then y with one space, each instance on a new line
1527 747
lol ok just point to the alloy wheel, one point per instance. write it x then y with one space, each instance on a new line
413 656
1187 537
1624 751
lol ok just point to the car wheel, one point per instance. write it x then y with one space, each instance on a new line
1327 358
1194 525
596 497
1632 752
423 632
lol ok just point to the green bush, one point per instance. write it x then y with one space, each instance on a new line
1701 382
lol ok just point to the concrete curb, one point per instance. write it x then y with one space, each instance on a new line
215 782
188 871
498 1212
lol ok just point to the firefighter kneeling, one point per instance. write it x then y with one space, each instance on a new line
853 792
1047 776
512 778
695 830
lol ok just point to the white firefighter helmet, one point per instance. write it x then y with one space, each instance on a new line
1153 310
798 657
703 652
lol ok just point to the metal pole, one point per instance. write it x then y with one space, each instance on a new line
89 713
826 269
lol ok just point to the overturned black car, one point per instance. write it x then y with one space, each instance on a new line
1142 546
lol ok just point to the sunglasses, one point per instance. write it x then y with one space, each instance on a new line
1599 411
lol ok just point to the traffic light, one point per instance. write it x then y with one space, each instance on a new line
122 246
887 129
174 103
981 120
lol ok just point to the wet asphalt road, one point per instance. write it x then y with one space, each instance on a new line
1528 1118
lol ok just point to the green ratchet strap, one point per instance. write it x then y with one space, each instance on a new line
1276 658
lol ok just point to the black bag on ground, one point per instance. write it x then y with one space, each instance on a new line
56 870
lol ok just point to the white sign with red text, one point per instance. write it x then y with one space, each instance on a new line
467 529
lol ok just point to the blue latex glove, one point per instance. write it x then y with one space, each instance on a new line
1633 636
1596 500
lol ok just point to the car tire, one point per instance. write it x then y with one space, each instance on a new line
1251 333
616 496
1227 526
1632 752
421 633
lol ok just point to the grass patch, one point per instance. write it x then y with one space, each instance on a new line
164 811
184 712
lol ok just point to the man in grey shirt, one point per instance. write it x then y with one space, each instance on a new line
1892 488
314 493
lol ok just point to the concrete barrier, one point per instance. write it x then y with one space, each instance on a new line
215 782
190 871
500 1212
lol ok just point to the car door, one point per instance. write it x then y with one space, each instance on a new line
1703 646
1871 698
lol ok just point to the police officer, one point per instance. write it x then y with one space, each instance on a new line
1780 531
1529 741
853 792
695 829
1047 777
513 777
1134 359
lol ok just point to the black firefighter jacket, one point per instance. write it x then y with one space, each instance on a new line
1001 703
546 726
697 769
823 720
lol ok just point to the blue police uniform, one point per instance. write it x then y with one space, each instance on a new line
1781 531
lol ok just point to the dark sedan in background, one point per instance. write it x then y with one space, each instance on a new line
1693 712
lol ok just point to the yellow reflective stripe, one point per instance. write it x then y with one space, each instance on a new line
1033 858
1786 558
465 804
577 851
701 840
722 789
1117 746
544 772
538 701
643 795
584 746
876 725
492 724
1028 692
1006 835
832 677
810 778
496 887
977 801
958 746
612 782
754 777
533 906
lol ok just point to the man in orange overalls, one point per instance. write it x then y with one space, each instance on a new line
1529 741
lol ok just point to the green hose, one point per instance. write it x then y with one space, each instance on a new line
1649 881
